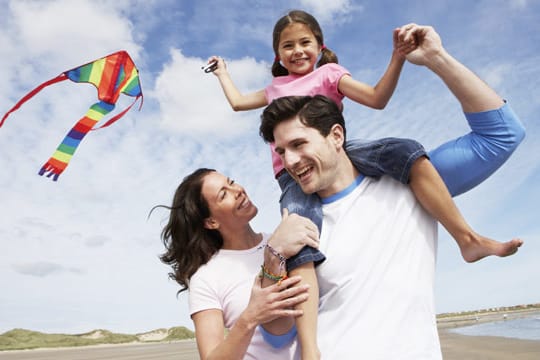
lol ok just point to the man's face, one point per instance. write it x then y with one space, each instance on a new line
309 157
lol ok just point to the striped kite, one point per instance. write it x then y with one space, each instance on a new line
111 75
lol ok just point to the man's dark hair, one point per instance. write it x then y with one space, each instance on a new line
317 111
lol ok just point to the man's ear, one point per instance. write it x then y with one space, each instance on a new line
211 223
337 135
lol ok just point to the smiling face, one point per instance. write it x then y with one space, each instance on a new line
310 158
227 201
298 49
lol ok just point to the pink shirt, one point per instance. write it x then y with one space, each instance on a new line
321 81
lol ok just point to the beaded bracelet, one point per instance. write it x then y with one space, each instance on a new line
273 251
269 275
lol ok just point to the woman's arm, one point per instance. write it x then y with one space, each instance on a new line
210 334
265 305
237 100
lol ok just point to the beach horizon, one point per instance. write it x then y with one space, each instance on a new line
454 346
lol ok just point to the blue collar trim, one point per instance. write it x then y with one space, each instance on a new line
344 192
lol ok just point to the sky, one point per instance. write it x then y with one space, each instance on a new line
82 253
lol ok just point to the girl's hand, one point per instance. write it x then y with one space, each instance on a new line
293 233
221 67
403 45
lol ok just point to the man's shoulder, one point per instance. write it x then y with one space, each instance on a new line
373 191
386 183
384 190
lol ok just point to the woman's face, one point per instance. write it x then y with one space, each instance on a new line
228 202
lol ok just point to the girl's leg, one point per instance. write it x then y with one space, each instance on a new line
388 156
468 160
297 202
432 193
406 161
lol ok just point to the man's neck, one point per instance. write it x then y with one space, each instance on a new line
345 175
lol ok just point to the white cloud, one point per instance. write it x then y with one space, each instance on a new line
192 102
96 240
496 75
69 32
519 4
43 268
335 12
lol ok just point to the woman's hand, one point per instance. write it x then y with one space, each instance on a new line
275 301
265 304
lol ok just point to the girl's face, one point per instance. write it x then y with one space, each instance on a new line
298 49
227 201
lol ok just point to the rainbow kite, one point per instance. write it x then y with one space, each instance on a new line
111 75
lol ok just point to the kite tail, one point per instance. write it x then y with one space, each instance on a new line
28 96
63 154
119 115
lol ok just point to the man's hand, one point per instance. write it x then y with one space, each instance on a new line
293 233
428 43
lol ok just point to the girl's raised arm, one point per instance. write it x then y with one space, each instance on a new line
377 97
237 100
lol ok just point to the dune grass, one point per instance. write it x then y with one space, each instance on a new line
179 333
22 339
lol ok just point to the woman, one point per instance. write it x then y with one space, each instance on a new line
215 254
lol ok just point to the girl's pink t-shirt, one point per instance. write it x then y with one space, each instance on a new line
321 81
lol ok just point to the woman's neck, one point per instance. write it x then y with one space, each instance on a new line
240 239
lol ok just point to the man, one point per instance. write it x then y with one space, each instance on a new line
376 286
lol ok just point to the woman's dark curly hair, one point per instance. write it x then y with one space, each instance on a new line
188 243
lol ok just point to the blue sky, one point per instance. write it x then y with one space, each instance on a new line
81 254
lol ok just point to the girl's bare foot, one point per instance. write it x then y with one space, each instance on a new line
478 247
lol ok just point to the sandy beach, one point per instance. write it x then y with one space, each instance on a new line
454 347
177 350
460 347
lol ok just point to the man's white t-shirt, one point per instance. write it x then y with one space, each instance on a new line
377 283
225 283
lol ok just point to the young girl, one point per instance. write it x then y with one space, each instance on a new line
298 43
